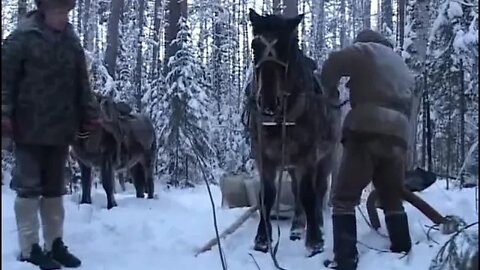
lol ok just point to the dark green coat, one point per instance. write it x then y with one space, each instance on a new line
45 86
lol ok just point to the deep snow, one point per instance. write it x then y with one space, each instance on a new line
163 233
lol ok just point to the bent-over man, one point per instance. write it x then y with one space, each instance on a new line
374 136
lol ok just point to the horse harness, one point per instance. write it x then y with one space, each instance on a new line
270 55
113 123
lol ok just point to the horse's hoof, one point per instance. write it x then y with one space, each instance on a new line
314 250
86 201
150 196
112 205
295 234
261 244
262 247
295 237
140 196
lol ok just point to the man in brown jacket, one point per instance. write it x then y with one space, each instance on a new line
46 99
375 136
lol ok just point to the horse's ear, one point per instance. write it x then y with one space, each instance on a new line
294 22
254 16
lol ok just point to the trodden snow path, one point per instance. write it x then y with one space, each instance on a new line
164 233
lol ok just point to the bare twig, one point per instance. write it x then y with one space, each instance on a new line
427 233
441 252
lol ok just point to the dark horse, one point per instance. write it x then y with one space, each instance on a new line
125 141
289 110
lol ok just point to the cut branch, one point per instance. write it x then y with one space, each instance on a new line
229 230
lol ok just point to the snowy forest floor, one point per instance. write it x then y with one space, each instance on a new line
163 233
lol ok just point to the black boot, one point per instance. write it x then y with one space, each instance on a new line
61 254
344 242
397 226
40 259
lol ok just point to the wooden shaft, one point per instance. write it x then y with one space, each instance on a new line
372 210
423 206
408 196
229 230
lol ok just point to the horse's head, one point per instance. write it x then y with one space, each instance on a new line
275 48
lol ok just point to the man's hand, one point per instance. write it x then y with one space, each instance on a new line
91 124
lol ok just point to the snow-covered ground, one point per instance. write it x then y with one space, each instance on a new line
163 233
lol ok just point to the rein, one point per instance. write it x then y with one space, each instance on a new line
270 55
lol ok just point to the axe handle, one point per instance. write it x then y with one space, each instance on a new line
408 196
423 206
372 210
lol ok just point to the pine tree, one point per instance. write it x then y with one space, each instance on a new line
184 137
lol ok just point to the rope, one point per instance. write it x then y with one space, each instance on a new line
272 252
282 166
201 164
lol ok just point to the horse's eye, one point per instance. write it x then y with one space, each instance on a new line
256 45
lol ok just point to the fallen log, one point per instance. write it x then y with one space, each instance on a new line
229 230
408 196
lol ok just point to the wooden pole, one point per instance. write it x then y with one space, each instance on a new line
227 231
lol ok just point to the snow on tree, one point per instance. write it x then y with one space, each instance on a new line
184 143
453 61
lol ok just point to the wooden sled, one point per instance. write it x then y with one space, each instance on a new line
241 190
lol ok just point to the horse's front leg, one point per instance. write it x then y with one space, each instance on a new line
148 172
264 231
309 193
138 179
298 221
86 178
150 183
108 181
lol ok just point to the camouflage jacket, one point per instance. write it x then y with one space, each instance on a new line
45 86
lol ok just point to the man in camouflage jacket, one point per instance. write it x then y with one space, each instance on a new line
46 99
375 135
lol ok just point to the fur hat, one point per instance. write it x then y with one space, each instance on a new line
49 4
368 35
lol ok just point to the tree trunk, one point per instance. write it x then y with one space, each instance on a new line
88 25
176 9
291 8
320 29
277 6
367 6
79 17
111 51
418 51
22 10
138 68
462 119
342 24
387 16
429 128
156 37
401 23
424 128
